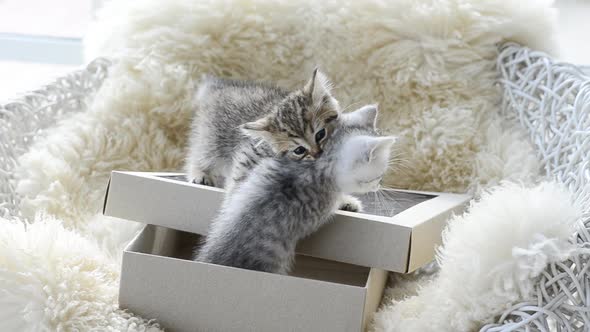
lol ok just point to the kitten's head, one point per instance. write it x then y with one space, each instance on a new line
302 123
363 162
360 156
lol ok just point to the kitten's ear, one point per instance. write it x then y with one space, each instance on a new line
365 116
379 147
260 128
318 86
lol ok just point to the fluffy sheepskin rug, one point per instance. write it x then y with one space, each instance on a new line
52 279
489 260
429 64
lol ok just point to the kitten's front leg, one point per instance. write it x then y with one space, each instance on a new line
350 203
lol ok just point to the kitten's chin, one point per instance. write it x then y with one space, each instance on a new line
372 186
375 187
360 187
350 188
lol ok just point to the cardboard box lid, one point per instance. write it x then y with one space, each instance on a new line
398 238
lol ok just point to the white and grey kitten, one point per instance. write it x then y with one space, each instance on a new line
232 112
282 201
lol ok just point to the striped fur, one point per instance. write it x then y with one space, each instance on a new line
231 112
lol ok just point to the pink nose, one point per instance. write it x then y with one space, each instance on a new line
316 154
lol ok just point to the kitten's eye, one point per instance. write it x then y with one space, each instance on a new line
332 118
300 150
320 135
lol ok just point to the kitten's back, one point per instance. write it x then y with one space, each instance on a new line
221 106
248 100
262 220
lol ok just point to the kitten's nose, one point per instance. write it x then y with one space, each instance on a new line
315 154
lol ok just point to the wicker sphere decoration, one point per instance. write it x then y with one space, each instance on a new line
23 120
551 100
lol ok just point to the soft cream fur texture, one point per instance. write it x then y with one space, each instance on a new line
428 63
52 279
490 259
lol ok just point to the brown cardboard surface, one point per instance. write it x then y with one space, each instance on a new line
401 243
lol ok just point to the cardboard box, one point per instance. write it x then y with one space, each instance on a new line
398 232
158 279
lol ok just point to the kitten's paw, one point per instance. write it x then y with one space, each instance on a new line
351 204
204 180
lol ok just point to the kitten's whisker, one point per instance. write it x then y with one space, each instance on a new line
336 86
400 170
389 188
319 107
397 160
344 109
320 120
384 201
398 163
387 196
374 198
400 173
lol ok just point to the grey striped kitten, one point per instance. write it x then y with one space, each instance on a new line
244 114
282 200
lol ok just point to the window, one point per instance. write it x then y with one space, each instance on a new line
40 40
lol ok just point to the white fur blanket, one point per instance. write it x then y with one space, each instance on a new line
429 64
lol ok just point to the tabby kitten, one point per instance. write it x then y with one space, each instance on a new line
294 124
284 200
